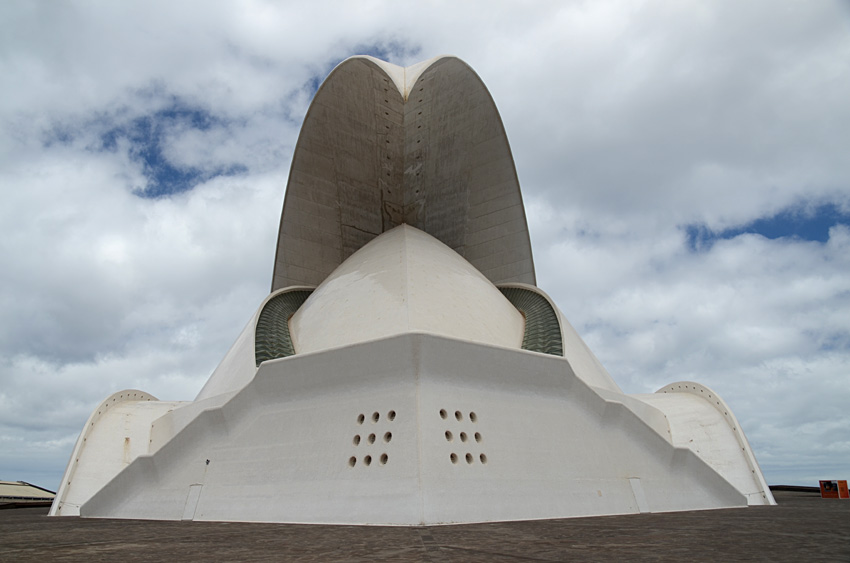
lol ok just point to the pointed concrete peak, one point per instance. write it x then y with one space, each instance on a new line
403 77
412 73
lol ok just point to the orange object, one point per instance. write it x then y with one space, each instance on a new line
834 489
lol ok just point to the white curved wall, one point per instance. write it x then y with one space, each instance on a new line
116 433
405 281
701 421
238 366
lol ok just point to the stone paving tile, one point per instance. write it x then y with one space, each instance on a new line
803 527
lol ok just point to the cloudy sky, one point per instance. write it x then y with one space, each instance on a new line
684 166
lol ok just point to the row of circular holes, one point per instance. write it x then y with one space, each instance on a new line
367 460
376 416
387 126
463 436
371 438
469 458
458 415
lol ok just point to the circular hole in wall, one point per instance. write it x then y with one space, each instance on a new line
391 415
376 417
483 458
384 459
463 437
352 461
477 436
458 415
468 458
449 436
388 436
356 440
452 457
473 417
367 460
360 418
371 438
443 414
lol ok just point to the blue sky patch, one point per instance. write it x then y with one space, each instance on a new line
799 222
146 135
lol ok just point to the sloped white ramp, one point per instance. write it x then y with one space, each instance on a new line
414 429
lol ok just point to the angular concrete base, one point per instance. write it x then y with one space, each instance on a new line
413 429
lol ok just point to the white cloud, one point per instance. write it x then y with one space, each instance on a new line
628 122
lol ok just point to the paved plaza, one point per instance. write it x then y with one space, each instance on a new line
803 527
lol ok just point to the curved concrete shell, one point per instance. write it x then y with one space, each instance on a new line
405 281
406 370
383 145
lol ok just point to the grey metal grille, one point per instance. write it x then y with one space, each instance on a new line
542 329
272 339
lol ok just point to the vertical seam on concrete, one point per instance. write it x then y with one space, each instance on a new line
416 354
406 271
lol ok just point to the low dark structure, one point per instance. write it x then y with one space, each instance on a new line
16 494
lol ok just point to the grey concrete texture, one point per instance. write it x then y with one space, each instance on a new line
803 527
367 160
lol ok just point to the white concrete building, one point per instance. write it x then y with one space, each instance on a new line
405 368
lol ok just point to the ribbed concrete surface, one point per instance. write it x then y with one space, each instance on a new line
367 160
803 527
